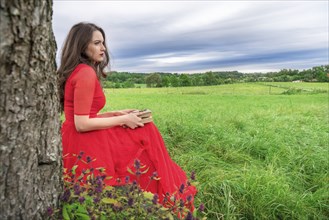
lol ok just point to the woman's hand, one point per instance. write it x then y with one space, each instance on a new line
123 112
115 113
132 121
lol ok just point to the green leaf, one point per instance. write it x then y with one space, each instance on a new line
103 217
82 216
195 184
81 209
108 177
101 169
163 209
148 195
65 213
73 169
145 171
108 187
109 201
87 171
172 198
169 216
195 213
130 171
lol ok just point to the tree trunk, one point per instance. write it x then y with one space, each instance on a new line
30 149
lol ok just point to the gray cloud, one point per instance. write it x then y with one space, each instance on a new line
194 36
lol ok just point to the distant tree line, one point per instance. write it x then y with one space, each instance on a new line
158 79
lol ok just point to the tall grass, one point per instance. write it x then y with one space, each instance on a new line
258 154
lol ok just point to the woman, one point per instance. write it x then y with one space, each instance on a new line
113 140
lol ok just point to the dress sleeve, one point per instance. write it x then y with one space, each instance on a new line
84 89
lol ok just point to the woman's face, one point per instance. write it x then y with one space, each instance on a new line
95 50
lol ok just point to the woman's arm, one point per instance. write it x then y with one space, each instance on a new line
83 123
84 84
115 113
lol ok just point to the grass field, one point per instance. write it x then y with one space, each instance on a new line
259 153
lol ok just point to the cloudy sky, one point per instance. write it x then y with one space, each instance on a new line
199 36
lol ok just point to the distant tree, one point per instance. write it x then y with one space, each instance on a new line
107 84
128 84
307 75
184 80
228 81
153 80
320 74
117 85
165 81
139 79
197 80
174 81
209 78
288 72
30 146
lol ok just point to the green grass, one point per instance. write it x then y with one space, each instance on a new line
258 153
303 85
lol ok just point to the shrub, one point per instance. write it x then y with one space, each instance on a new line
87 197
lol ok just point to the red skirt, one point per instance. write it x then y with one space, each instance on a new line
116 150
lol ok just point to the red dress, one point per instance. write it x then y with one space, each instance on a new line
116 148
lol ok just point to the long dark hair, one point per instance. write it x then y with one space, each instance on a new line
73 53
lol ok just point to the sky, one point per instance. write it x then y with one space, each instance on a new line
200 36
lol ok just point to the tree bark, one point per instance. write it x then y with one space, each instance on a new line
30 146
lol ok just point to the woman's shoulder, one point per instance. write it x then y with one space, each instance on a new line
84 67
84 71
